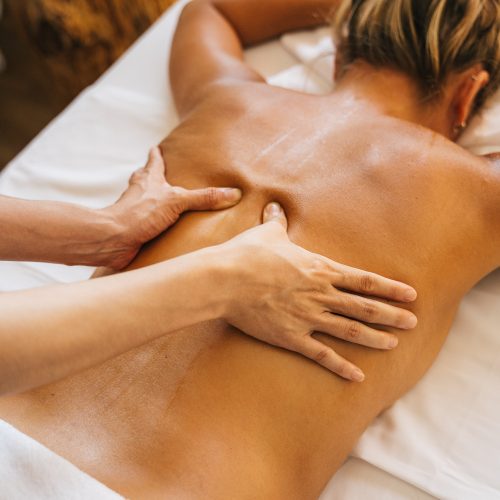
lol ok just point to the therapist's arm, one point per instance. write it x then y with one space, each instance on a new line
46 231
259 281
51 332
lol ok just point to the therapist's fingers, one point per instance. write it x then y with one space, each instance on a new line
355 332
329 359
370 311
208 198
198 199
274 212
354 280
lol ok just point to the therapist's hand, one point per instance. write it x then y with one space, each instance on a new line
151 205
281 294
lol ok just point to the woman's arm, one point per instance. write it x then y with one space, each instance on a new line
46 231
209 41
259 281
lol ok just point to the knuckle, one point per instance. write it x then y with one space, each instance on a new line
353 331
176 193
212 195
346 305
322 355
135 177
367 282
369 310
317 265
318 278
176 190
322 289
338 277
139 176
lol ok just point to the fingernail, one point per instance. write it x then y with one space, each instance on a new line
232 194
274 209
410 295
357 375
393 342
411 322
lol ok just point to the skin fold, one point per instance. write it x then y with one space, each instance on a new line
367 178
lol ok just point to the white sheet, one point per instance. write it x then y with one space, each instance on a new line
443 436
29 471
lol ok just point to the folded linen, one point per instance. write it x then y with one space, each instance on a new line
28 470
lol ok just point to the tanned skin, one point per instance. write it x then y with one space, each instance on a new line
366 180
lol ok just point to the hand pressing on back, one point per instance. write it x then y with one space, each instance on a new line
282 293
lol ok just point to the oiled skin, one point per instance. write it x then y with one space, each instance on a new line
210 413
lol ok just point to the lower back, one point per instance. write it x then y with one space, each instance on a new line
209 406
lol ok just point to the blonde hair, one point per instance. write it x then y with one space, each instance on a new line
426 39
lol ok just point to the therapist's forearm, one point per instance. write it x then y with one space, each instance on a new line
47 334
46 231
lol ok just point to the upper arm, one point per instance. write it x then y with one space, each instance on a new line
208 44
205 50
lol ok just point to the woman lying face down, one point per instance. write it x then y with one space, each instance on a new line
368 175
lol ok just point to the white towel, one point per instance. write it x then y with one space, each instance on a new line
29 471
314 49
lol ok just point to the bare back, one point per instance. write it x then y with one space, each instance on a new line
210 413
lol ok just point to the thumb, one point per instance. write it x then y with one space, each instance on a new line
155 161
211 198
275 213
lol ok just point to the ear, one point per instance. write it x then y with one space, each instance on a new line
471 82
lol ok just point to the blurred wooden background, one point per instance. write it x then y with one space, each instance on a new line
54 49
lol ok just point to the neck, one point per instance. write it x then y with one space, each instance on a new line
395 94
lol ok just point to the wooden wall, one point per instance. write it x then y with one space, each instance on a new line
78 39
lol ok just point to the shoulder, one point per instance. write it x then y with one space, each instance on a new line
448 159
442 168
234 98
426 154
471 185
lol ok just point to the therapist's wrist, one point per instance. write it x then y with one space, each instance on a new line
202 282
228 276
220 268
106 243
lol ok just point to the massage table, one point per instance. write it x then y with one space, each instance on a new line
441 440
